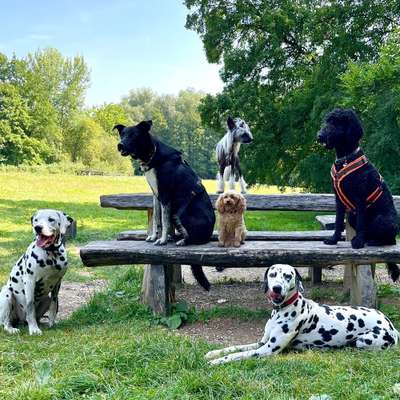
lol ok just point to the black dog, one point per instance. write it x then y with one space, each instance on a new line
180 200
360 189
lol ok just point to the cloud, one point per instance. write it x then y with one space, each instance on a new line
39 36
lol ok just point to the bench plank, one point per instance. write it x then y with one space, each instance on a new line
282 202
251 235
252 253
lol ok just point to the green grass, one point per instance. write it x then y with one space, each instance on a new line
111 348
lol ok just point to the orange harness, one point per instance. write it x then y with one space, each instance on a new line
339 176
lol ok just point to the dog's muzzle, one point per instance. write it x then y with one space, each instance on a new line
122 150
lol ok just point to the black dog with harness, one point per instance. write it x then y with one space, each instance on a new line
360 190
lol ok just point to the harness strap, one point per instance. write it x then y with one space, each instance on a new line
339 176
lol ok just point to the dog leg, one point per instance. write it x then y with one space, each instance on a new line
6 311
232 349
53 308
156 221
238 236
182 230
339 223
243 185
232 180
358 241
220 183
166 223
30 307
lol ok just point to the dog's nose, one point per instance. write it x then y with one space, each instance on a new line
277 289
38 228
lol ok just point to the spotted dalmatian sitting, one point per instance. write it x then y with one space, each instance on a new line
303 324
36 275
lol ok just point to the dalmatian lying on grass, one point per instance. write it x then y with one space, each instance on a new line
303 324
38 273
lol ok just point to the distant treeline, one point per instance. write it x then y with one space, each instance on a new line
43 119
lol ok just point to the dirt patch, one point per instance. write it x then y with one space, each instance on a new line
74 295
243 287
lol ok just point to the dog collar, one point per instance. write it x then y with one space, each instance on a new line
288 302
348 158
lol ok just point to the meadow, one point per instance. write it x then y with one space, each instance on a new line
112 348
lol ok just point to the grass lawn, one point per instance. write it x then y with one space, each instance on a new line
111 349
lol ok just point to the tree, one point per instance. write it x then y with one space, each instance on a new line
282 62
374 90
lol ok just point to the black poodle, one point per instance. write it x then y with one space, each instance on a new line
360 189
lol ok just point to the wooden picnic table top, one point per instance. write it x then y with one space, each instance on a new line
283 202
251 254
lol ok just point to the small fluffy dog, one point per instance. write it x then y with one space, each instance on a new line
228 154
299 323
33 286
232 230
360 190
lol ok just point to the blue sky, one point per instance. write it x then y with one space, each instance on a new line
127 44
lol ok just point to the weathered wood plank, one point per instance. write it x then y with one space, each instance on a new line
327 222
251 235
252 253
285 202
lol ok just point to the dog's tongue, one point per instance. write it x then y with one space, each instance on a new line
274 296
44 241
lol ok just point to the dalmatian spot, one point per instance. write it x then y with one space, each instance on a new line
379 322
339 316
295 303
315 319
388 338
49 261
361 323
349 337
34 255
293 314
286 314
376 330
285 328
276 348
296 342
328 310
318 342
353 317
15 280
273 339
350 327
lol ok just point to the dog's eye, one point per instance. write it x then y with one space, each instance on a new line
272 275
51 219
288 277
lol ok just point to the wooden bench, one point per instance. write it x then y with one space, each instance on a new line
295 248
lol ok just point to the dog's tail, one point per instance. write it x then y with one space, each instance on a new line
394 271
200 277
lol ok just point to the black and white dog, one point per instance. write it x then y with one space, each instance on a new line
360 190
180 200
300 323
228 154
36 275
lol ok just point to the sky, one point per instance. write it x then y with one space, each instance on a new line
127 44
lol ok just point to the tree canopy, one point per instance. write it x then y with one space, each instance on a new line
283 64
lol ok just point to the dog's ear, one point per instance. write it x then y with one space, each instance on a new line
65 222
241 204
119 128
33 216
265 283
219 204
231 123
145 126
299 281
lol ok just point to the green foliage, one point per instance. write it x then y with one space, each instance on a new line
374 90
178 315
282 64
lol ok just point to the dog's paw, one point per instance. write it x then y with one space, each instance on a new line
236 244
11 330
151 238
217 361
357 242
181 242
221 244
161 242
35 331
243 192
331 241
